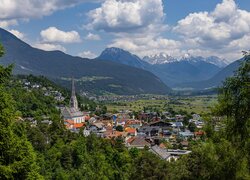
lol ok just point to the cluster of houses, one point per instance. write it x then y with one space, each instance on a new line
48 91
166 138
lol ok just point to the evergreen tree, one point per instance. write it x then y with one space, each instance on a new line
234 103
17 157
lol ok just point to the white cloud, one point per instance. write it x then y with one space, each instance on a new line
125 16
17 33
50 47
15 9
91 36
52 34
12 11
218 28
148 45
7 23
87 54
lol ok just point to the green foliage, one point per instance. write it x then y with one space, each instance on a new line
234 103
192 127
17 157
1 50
119 128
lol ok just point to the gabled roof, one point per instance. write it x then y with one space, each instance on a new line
162 153
139 141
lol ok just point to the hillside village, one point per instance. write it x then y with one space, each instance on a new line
149 130
168 138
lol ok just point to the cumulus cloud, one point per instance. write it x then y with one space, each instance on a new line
216 29
17 33
94 37
124 16
52 34
148 45
16 9
87 54
50 47
7 23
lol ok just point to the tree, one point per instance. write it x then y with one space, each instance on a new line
119 128
192 126
234 103
17 157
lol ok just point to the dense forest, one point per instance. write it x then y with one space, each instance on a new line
49 151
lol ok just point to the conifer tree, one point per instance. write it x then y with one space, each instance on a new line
17 157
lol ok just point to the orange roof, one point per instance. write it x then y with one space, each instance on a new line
111 134
78 125
133 122
130 130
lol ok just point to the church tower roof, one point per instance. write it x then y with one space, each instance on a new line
73 99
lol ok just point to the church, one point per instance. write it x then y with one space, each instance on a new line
72 113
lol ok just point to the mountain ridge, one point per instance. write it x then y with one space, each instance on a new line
98 76
163 58
173 73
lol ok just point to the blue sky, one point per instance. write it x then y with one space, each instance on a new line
144 27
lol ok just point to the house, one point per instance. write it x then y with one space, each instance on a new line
150 131
177 124
71 125
186 134
160 123
137 142
131 131
133 123
161 152
114 134
176 153
97 127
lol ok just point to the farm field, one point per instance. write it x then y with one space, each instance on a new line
197 104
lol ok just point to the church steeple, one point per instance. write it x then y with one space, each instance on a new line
73 100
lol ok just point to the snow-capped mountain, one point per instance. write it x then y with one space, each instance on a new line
163 58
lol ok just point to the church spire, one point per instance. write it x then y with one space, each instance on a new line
73 93
73 100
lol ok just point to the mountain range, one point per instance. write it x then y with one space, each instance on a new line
99 77
116 70
163 58
188 71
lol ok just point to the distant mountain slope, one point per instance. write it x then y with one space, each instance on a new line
121 56
184 71
163 58
216 80
92 75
